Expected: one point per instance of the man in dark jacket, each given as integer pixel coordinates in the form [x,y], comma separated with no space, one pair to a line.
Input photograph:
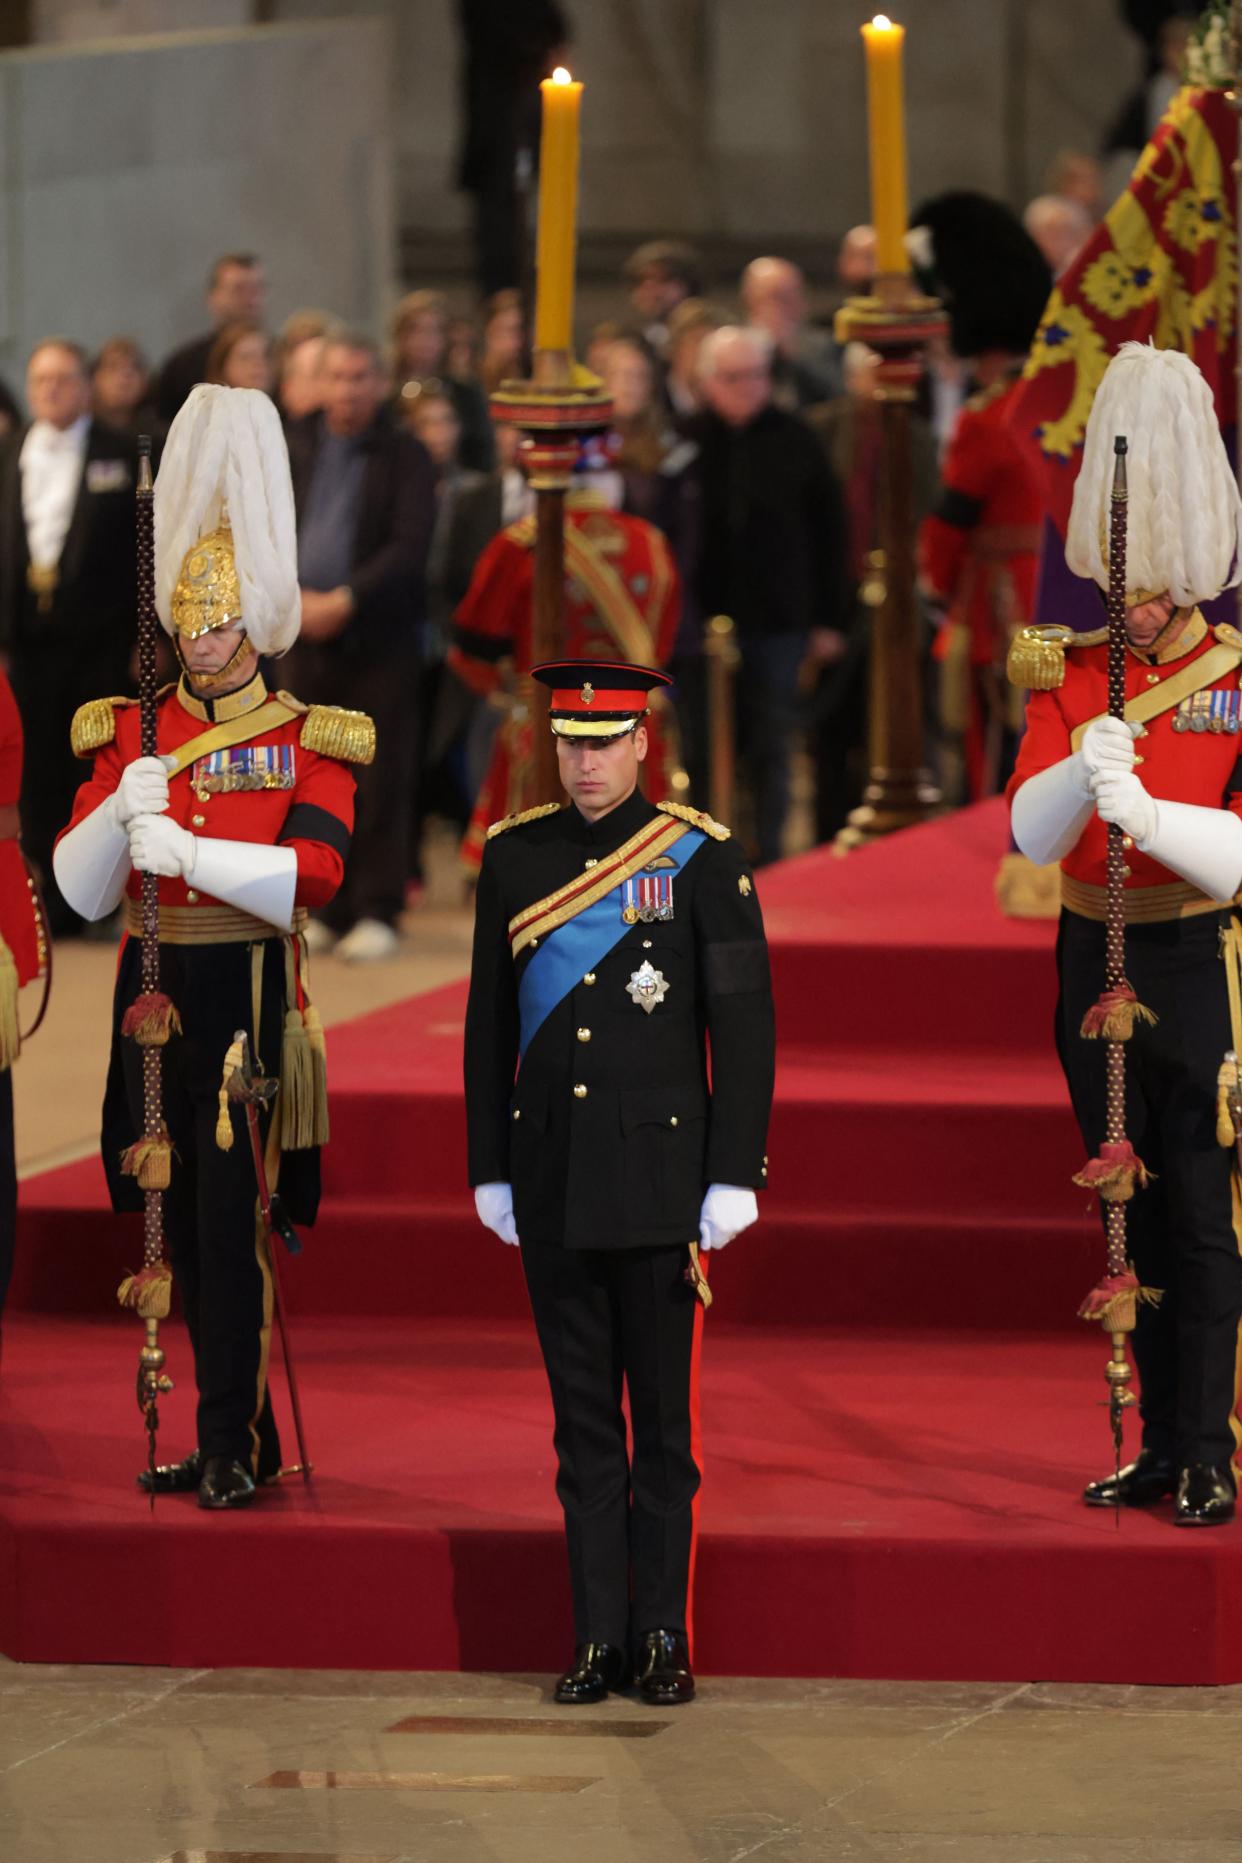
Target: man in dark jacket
[365,496]
[613,941]
[774,555]
[236,292]
[67,584]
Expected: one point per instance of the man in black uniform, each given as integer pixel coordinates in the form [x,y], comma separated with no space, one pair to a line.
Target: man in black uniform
[613,941]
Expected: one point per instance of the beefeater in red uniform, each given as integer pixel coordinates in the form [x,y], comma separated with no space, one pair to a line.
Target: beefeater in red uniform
[979,546]
[245,814]
[622,602]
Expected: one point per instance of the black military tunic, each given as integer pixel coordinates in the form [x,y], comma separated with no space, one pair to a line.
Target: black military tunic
[610,1133]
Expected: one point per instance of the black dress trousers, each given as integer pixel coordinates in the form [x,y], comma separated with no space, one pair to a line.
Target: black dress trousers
[607,1318]
[211,1222]
[1180,1230]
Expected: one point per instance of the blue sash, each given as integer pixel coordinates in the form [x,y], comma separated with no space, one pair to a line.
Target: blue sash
[566,954]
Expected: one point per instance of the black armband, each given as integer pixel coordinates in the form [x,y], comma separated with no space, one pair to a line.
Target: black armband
[958,509]
[306,822]
[736,968]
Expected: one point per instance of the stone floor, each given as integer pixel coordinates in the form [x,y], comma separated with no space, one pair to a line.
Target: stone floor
[168,1766]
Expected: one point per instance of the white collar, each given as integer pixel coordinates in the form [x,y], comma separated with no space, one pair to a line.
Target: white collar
[44,438]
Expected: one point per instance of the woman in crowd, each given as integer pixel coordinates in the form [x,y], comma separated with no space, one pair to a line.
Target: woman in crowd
[241,357]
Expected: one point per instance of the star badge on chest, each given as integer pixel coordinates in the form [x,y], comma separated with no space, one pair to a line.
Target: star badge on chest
[647,986]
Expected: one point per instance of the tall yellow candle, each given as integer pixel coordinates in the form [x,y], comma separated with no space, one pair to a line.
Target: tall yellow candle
[886,126]
[557,239]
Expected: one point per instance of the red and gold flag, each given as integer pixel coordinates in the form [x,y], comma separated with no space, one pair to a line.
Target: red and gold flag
[1161,267]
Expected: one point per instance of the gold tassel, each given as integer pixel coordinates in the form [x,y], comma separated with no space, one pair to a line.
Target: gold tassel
[319,1058]
[149,1292]
[10,1032]
[150,1161]
[1228,1081]
[224,1124]
[297,1085]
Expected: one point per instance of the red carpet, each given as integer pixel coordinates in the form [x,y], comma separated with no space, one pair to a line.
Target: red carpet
[892,1463]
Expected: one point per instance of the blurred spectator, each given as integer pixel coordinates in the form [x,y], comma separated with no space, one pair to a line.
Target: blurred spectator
[805,370]
[461,349]
[121,388]
[856,262]
[504,355]
[299,391]
[67,584]
[10,412]
[773,555]
[661,274]
[849,428]
[363,488]
[1076,177]
[419,339]
[692,320]
[509,45]
[1060,228]
[241,357]
[600,341]
[236,290]
[1134,123]
[298,328]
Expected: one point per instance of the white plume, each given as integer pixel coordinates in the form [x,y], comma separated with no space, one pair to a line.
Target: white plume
[226,448]
[1184,518]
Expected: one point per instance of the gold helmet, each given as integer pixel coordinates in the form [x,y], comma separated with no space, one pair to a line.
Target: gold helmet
[207,592]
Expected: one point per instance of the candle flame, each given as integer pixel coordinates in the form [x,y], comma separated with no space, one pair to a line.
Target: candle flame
[561,76]
[882,22]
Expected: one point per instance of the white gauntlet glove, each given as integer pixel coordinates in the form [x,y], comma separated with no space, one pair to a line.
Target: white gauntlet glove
[727,1210]
[142,790]
[1107,744]
[1121,798]
[158,845]
[1051,810]
[494,1203]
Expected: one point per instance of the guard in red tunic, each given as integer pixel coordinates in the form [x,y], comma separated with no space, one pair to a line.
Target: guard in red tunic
[979,546]
[622,602]
[23,956]
[1171,776]
[246,815]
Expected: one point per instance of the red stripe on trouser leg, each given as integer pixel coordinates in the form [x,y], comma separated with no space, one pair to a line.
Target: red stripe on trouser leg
[696,1450]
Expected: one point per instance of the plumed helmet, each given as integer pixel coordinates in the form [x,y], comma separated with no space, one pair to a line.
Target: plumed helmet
[975,255]
[225,533]
[1183,514]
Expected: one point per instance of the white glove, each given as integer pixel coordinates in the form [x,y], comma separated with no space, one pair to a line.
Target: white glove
[1107,744]
[494,1202]
[158,845]
[1203,845]
[142,790]
[1121,798]
[727,1210]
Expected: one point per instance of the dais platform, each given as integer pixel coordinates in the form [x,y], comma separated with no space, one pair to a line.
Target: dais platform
[899,1407]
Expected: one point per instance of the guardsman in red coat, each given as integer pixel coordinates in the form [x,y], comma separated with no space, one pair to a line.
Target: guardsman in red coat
[979,545]
[23,956]
[1171,776]
[246,815]
[622,602]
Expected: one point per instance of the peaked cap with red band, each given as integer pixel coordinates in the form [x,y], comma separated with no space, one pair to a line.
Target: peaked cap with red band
[597,698]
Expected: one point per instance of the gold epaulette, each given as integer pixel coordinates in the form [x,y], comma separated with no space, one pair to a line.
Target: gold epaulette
[1226,635]
[697,818]
[523,815]
[94,725]
[332,731]
[1037,655]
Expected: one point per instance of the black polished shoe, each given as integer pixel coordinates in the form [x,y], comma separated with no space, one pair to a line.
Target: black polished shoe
[664,1677]
[225,1483]
[599,1669]
[1147,1480]
[174,1477]
[1205,1496]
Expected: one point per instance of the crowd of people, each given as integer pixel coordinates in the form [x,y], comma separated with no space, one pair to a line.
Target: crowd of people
[743,432]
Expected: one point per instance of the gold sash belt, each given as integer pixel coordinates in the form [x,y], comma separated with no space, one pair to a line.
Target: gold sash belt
[1146,905]
[215,924]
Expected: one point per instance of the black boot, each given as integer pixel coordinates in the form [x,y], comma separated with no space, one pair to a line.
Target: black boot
[225,1483]
[1147,1480]
[1206,1496]
[174,1477]
[599,1669]
[664,1677]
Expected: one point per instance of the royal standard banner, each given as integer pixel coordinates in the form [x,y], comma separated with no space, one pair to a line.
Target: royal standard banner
[1161,268]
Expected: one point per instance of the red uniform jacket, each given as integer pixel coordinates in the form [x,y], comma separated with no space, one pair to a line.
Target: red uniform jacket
[309,805]
[1200,767]
[18,925]
[622,602]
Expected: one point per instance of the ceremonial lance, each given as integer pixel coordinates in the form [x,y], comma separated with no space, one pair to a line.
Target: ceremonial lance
[150,1020]
[1117,1172]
